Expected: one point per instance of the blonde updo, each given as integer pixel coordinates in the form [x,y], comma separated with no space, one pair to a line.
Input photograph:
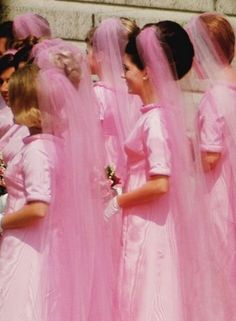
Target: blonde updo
[23,96]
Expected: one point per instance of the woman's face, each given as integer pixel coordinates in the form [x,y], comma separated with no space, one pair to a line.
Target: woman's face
[91,60]
[4,81]
[134,76]
[3,45]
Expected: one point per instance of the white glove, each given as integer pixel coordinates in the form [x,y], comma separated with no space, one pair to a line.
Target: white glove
[118,189]
[112,208]
[3,202]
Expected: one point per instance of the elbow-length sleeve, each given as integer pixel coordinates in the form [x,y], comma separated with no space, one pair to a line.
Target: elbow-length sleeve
[156,145]
[210,125]
[37,174]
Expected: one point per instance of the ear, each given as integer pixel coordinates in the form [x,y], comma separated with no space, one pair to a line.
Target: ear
[145,74]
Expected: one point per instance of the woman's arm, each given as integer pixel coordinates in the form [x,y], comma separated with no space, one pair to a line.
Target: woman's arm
[210,160]
[156,186]
[26,216]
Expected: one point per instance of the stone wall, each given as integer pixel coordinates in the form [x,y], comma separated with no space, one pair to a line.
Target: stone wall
[72,19]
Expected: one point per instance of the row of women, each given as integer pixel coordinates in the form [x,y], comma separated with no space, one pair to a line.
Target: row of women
[157,240]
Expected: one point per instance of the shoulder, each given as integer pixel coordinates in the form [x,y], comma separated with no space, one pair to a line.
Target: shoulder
[41,149]
[153,118]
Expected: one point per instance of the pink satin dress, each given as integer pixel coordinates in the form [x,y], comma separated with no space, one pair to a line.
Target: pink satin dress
[12,141]
[6,120]
[220,182]
[28,178]
[149,283]
[105,96]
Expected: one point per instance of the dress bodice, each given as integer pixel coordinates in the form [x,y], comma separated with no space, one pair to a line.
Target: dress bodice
[147,145]
[12,142]
[106,97]
[28,174]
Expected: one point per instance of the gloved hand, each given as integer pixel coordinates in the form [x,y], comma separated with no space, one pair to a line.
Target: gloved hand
[117,189]
[112,208]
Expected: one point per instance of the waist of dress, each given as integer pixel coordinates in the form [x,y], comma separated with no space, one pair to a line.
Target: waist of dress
[136,167]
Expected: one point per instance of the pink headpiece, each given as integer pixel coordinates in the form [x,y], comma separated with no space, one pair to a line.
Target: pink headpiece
[201,273]
[80,249]
[31,24]
[109,41]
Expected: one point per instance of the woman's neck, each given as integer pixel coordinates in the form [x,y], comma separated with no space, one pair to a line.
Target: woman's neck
[149,95]
[230,74]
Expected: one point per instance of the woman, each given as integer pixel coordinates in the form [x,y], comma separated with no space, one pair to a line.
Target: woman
[150,278]
[74,251]
[28,179]
[106,46]
[214,42]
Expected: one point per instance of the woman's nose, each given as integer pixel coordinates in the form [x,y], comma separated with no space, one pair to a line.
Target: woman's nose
[4,86]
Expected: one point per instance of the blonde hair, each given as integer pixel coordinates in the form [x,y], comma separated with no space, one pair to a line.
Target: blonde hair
[129,25]
[23,96]
[221,33]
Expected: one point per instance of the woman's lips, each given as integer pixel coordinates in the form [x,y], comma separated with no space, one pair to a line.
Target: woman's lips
[5,97]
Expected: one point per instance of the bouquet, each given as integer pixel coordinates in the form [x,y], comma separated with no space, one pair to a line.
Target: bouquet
[2,182]
[115,181]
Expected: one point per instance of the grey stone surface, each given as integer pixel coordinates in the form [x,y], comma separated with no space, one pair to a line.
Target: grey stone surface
[189,5]
[143,16]
[67,20]
[72,19]
[226,6]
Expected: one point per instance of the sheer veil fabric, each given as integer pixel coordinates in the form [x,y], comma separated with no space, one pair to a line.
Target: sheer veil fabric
[196,268]
[31,24]
[109,43]
[78,279]
[217,111]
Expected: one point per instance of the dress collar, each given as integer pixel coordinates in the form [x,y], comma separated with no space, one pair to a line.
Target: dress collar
[101,83]
[41,136]
[146,108]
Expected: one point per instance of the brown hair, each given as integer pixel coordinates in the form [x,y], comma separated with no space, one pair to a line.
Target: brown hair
[221,33]
[23,96]
[89,36]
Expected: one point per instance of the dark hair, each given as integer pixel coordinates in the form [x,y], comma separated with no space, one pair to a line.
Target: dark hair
[6,61]
[175,43]
[23,55]
[89,37]
[132,50]
[6,31]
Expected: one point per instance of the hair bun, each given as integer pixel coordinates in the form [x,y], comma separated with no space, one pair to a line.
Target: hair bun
[70,64]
